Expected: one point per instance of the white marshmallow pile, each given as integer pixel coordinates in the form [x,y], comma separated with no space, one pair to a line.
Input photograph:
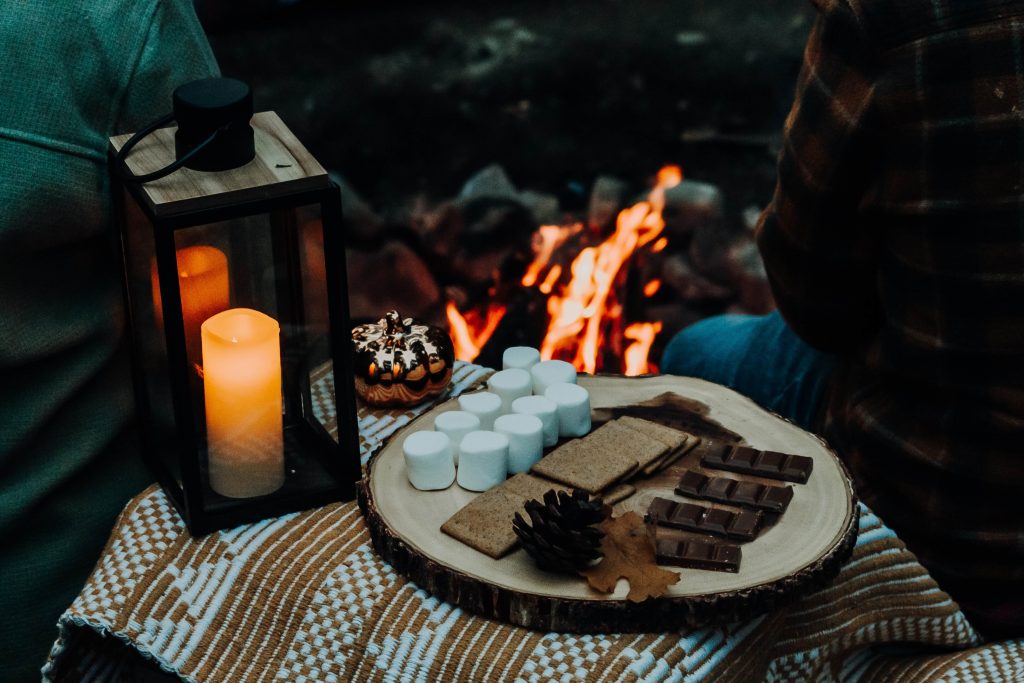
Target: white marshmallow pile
[529,404]
[522,357]
[543,408]
[429,463]
[509,385]
[456,424]
[485,405]
[548,372]
[525,440]
[484,460]
[573,405]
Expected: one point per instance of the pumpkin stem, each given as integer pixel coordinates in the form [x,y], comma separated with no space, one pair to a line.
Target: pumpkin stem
[393,323]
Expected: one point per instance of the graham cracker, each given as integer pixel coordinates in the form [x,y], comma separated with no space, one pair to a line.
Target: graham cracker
[673,438]
[672,456]
[592,463]
[639,445]
[618,494]
[530,487]
[485,524]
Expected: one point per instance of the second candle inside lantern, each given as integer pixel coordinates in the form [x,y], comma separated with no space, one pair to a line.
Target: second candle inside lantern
[242,384]
[205,291]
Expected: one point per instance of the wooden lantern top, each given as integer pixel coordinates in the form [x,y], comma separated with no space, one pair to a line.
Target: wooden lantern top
[282,166]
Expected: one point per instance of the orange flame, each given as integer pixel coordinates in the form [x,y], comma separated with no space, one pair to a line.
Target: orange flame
[551,279]
[669,176]
[636,354]
[545,241]
[586,312]
[589,296]
[469,333]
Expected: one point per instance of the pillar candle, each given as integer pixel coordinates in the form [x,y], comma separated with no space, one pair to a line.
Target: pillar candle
[241,355]
[205,291]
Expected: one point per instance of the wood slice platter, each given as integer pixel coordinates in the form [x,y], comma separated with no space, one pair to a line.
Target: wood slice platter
[802,551]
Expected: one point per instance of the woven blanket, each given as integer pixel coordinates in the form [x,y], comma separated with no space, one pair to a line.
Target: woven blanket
[305,598]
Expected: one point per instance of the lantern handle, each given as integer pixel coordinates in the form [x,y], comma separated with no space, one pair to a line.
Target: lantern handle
[122,168]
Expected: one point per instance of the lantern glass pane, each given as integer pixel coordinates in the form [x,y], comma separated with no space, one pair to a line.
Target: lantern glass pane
[257,337]
[162,441]
[321,411]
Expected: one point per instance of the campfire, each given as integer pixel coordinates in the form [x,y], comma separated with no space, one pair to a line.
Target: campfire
[603,284]
[586,315]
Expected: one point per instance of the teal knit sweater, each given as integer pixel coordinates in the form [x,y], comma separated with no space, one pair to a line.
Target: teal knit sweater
[73,73]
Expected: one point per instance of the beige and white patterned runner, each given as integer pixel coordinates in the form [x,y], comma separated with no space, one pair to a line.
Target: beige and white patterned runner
[305,598]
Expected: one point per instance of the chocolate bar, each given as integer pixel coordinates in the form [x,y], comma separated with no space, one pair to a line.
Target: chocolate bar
[742,525]
[697,554]
[746,460]
[748,494]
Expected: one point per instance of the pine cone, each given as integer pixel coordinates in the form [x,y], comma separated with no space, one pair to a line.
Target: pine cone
[563,537]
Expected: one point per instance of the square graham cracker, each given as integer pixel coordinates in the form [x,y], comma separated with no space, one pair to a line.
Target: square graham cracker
[640,445]
[608,455]
[529,487]
[485,523]
[673,455]
[673,438]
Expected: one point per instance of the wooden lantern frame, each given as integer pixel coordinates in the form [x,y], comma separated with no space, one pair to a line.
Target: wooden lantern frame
[247,192]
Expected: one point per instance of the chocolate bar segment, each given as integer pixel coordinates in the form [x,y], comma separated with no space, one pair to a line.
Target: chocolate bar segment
[748,494]
[698,554]
[770,464]
[742,525]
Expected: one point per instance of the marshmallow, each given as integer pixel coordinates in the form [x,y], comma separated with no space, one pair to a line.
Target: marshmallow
[510,385]
[573,404]
[550,372]
[523,357]
[543,408]
[428,460]
[484,460]
[485,405]
[456,424]
[525,440]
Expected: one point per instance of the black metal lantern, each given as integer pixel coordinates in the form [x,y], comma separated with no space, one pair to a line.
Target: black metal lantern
[237,304]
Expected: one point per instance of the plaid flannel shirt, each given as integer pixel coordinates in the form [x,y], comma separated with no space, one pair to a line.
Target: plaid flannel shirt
[896,238]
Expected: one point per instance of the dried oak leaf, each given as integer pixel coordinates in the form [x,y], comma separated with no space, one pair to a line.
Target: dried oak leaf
[629,554]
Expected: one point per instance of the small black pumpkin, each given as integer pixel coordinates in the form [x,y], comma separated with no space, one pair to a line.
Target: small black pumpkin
[401,362]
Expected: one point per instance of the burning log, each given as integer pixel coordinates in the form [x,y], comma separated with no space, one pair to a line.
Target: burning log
[585,312]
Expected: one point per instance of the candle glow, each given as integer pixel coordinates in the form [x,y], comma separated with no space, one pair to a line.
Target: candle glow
[242,385]
[205,291]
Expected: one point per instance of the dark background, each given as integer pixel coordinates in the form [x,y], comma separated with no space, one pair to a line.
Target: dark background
[403,98]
